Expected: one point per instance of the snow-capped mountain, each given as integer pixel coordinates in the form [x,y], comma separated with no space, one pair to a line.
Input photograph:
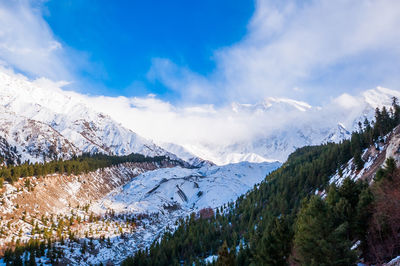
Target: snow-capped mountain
[292,124]
[45,122]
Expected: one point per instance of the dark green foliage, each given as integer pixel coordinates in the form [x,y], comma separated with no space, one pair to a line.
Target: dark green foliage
[386,172]
[225,257]
[396,111]
[358,160]
[276,243]
[325,229]
[77,165]
[386,120]
[317,241]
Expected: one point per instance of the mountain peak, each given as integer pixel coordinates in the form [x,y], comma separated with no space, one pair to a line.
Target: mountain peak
[270,102]
[380,96]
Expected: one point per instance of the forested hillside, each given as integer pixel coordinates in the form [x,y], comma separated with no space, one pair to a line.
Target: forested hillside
[77,165]
[286,219]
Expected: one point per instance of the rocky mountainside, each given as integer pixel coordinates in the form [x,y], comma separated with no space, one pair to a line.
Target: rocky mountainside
[374,158]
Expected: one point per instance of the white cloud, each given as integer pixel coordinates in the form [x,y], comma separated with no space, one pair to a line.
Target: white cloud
[208,131]
[347,101]
[180,79]
[196,125]
[28,44]
[162,121]
[313,45]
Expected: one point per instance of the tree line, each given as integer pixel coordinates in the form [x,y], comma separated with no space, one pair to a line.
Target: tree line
[77,165]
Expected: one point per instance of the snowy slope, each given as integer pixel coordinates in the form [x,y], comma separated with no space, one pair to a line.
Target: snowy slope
[45,122]
[374,158]
[186,189]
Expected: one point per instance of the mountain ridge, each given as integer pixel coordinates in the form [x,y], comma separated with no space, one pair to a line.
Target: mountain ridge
[82,128]
[44,122]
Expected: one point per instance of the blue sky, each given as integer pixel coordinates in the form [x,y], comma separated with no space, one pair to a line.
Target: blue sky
[122,37]
[206,52]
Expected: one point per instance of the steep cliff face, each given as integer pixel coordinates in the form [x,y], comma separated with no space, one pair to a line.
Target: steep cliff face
[393,147]
[8,153]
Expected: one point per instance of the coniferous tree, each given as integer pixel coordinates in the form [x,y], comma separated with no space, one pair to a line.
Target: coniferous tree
[396,111]
[318,240]
[275,246]
[225,257]
[358,160]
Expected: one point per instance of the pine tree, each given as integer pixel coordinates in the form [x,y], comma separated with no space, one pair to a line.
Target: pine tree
[275,246]
[378,127]
[225,258]
[358,161]
[318,241]
[386,121]
[396,111]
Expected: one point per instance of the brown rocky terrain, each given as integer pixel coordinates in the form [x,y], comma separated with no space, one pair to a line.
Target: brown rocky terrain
[31,199]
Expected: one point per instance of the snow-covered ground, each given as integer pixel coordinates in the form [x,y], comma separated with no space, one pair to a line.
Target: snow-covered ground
[349,171]
[374,158]
[394,262]
[187,189]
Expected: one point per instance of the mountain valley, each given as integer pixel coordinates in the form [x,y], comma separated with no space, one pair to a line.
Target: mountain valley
[108,214]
